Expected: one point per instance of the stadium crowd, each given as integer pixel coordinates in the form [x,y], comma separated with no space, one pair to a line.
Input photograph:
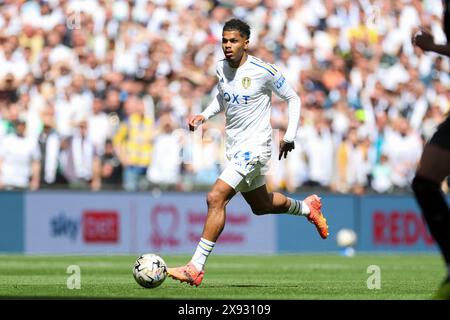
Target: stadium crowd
[96,94]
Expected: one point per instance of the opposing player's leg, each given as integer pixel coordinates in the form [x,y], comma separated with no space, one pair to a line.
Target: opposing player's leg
[433,168]
[263,202]
[217,199]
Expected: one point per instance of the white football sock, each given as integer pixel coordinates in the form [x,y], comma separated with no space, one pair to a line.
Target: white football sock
[202,252]
[298,208]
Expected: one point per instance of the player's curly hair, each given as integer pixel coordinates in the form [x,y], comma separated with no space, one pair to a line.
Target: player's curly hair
[239,25]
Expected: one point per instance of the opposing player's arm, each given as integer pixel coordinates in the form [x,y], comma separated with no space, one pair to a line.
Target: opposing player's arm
[282,89]
[425,41]
[443,49]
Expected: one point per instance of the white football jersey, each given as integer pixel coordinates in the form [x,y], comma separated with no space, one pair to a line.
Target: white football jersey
[245,94]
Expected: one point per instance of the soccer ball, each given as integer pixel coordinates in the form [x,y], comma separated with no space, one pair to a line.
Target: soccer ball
[346,238]
[150,270]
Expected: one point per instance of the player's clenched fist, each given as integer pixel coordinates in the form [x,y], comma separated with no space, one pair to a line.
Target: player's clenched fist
[285,147]
[423,39]
[195,121]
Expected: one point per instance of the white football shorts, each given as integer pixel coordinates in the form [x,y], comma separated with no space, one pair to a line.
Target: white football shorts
[245,172]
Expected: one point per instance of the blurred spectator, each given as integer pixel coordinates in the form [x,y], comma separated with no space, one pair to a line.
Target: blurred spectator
[381,176]
[340,118]
[403,150]
[297,166]
[19,160]
[133,144]
[79,160]
[49,145]
[334,76]
[8,89]
[319,151]
[111,169]
[379,136]
[432,119]
[113,104]
[99,126]
[164,170]
[351,172]
[207,158]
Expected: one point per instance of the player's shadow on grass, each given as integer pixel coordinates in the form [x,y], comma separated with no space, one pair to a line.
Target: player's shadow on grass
[255,286]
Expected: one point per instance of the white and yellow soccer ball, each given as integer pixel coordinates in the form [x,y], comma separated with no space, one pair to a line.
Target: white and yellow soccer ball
[150,270]
[346,238]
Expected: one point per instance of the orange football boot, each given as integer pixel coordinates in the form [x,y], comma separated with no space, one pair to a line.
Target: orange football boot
[315,216]
[187,273]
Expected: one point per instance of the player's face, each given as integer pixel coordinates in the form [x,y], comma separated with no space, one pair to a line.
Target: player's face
[234,46]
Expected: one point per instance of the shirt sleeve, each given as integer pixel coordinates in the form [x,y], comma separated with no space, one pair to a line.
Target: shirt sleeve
[282,89]
[216,105]
[213,108]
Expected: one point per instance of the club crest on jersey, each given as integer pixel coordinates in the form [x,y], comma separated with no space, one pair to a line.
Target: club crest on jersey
[246,82]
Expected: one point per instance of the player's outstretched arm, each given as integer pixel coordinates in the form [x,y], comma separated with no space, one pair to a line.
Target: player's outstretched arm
[285,147]
[214,108]
[195,121]
[287,93]
[425,41]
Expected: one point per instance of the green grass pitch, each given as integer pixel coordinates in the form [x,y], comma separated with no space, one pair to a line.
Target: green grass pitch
[286,277]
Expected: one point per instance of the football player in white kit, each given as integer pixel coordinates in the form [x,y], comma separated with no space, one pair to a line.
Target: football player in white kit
[245,86]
